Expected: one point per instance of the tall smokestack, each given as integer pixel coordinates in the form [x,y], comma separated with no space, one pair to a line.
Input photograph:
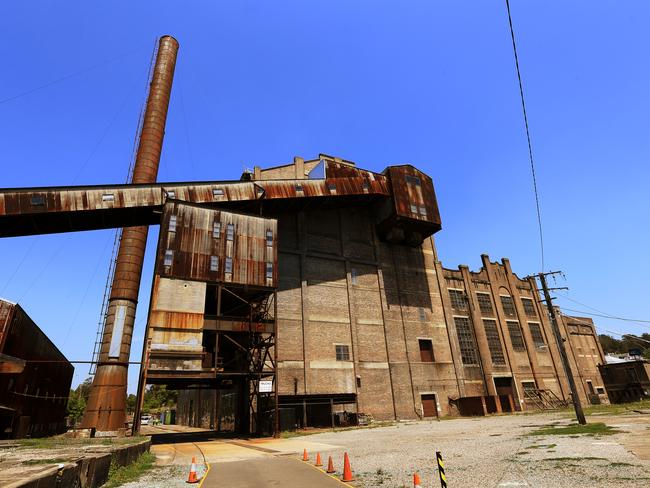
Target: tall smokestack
[106,409]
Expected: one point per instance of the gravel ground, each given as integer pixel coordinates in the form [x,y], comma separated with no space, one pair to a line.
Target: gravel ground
[171,476]
[489,452]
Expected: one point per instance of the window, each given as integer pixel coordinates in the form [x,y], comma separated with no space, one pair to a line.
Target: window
[269,271]
[228,265]
[458,300]
[269,238]
[468,351]
[591,387]
[172,223]
[353,275]
[508,306]
[536,332]
[414,209]
[214,263]
[108,197]
[600,390]
[230,232]
[331,187]
[37,201]
[485,303]
[358,381]
[216,230]
[529,307]
[413,180]
[423,212]
[528,386]
[426,350]
[298,187]
[515,336]
[422,314]
[365,185]
[494,342]
[171,194]
[169,257]
[217,192]
[342,352]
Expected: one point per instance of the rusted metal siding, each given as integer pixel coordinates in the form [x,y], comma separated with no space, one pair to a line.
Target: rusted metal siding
[40,392]
[411,187]
[193,246]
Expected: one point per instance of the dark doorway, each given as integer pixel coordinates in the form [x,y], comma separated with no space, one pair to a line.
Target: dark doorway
[429,405]
[506,393]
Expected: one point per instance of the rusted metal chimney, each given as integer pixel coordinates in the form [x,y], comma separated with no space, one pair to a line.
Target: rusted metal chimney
[106,409]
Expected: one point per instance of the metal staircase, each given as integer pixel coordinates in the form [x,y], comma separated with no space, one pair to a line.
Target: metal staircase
[544,399]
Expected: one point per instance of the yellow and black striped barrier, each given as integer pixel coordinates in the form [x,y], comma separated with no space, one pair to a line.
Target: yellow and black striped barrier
[441,470]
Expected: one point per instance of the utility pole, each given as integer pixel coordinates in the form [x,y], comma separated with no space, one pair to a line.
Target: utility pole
[560,344]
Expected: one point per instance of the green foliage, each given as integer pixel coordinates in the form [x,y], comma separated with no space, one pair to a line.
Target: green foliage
[119,475]
[78,399]
[623,345]
[131,400]
[596,428]
[158,397]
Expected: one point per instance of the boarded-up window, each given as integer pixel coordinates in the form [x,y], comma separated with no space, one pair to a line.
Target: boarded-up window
[515,336]
[485,303]
[466,341]
[458,300]
[529,307]
[536,333]
[342,352]
[426,350]
[508,306]
[494,341]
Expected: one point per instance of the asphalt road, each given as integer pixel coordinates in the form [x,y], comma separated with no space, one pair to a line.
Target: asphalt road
[269,472]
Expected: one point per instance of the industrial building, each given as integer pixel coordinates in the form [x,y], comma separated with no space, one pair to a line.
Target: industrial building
[34,378]
[627,380]
[302,294]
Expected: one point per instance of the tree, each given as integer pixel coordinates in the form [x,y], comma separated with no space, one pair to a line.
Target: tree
[158,397]
[130,403]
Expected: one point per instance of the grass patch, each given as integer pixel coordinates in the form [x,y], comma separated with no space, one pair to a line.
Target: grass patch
[118,475]
[585,458]
[542,446]
[31,462]
[521,453]
[597,428]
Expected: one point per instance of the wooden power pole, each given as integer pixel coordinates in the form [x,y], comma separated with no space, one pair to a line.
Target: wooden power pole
[560,344]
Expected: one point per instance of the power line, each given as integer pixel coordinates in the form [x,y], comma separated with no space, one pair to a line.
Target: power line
[530,146]
[591,314]
[63,78]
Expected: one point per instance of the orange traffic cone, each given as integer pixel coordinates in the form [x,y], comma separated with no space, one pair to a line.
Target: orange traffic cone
[347,471]
[319,463]
[305,457]
[330,466]
[416,481]
[193,478]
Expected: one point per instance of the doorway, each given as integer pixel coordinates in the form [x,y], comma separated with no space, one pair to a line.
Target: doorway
[429,405]
[506,393]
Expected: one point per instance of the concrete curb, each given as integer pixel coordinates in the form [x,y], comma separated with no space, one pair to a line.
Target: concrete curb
[89,471]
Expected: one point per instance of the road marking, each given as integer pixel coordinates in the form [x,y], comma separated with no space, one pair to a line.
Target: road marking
[323,472]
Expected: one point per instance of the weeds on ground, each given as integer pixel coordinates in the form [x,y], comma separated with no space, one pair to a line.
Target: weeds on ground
[31,462]
[62,442]
[583,458]
[597,428]
[118,475]
[542,446]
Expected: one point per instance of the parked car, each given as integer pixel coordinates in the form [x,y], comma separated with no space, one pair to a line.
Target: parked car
[145,420]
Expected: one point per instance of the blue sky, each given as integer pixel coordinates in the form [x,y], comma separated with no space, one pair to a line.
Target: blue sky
[429,82]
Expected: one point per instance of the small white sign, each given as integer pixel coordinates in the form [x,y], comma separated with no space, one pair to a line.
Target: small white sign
[266,386]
